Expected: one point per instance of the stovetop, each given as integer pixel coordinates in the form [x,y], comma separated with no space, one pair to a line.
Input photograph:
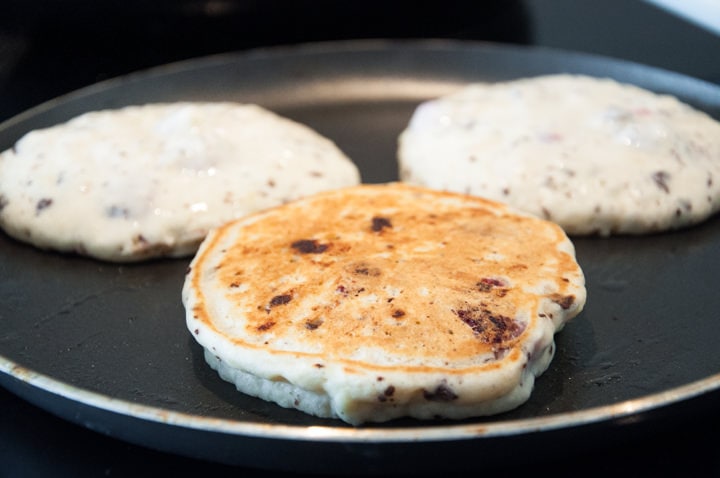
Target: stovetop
[42,56]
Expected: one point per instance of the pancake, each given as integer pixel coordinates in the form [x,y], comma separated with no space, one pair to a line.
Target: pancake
[596,156]
[375,302]
[150,180]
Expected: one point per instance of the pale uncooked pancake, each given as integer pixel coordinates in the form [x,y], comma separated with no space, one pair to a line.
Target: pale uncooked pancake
[151,180]
[381,301]
[593,155]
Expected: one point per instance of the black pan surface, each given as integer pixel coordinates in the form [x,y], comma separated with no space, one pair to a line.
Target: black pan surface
[105,345]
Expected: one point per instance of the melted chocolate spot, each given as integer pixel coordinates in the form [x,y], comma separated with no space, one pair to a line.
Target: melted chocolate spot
[313,324]
[309,246]
[486,284]
[280,300]
[441,394]
[489,327]
[380,223]
[564,301]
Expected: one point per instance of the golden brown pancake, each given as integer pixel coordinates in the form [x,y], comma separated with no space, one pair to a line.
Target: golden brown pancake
[380,301]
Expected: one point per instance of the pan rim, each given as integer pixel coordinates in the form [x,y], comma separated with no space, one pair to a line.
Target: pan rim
[480,430]
[425,432]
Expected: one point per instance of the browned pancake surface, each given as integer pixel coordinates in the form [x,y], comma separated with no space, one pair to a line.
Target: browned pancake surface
[386,276]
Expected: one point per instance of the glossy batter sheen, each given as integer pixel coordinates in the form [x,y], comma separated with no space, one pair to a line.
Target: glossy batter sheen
[375,302]
[593,155]
[151,180]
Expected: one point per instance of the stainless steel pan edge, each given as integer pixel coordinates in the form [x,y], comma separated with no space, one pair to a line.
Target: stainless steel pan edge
[624,412]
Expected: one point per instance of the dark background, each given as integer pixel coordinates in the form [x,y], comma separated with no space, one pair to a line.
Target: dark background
[50,47]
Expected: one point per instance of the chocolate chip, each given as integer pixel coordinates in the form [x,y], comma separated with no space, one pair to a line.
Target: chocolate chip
[441,394]
[564,301]
[314,324]
[489,327]
[266,326]
[380,223]
[42,205]
[280,300]
[661,180]
[309,246]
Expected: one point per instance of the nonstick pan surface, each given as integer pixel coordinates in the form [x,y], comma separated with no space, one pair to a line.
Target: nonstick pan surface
[105,345]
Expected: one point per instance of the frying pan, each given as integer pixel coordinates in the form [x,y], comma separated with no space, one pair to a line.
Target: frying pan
[105,345]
